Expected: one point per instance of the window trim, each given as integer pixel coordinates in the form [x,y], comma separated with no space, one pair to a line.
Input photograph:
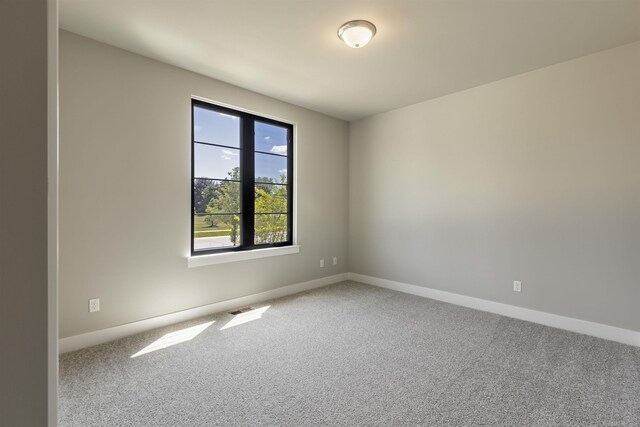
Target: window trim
[225,257]
[247,191]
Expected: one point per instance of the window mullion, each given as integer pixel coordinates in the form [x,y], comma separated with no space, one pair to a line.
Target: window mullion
[248,182]
[290,185]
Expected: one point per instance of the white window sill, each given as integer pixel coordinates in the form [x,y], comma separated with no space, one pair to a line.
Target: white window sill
[211,259]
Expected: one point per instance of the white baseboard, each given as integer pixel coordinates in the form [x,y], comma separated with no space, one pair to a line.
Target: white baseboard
[612,333]
[89,339]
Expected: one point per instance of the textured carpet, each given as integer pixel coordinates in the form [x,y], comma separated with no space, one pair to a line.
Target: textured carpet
[352,354]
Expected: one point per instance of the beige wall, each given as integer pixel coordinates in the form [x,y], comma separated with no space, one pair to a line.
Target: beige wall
[125,190]
[533,178]
[23,213]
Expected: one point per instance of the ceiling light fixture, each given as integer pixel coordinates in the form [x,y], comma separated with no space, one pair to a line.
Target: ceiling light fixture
[357,33]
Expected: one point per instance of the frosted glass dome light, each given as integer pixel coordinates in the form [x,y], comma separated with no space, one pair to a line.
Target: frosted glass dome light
[357,33]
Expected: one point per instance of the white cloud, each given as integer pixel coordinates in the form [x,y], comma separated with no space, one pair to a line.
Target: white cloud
[279,149]
[225,157]
[283,171]
[267,138]
[230,152]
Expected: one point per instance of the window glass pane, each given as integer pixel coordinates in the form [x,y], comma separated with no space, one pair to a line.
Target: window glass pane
[203,190]
[215,231]
[216,197]
[270,228]
[270,138]
[216,162]
[270,168]
[271,198]
[216,128]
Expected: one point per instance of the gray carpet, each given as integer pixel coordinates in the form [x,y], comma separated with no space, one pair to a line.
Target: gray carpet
[352,354]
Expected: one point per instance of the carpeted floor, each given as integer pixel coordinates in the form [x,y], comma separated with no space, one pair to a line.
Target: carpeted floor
[351,354]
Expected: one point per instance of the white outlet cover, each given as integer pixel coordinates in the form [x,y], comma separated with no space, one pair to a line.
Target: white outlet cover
[517,286]
[335,260]
[94,305]
[321,263]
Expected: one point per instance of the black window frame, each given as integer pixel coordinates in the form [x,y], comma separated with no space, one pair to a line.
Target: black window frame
[247,178]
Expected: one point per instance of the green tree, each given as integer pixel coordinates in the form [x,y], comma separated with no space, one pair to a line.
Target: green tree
[209,193]
[271,201]
[199,200]
[226,201]
[204,191]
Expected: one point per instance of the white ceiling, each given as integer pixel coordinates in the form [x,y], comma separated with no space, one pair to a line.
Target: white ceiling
[288,49]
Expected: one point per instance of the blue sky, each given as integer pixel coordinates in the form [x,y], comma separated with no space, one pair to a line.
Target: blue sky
[223,129]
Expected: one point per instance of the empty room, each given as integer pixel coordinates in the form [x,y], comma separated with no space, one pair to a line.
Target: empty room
[306,212]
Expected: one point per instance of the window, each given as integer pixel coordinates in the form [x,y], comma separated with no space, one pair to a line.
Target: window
[241,170]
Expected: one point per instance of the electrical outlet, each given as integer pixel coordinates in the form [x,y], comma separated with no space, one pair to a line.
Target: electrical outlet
[335,260]
[94,305]
[322,263]
[517,286]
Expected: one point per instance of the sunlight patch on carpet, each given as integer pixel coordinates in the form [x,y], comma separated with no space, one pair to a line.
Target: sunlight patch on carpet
[174,338]
[245,317]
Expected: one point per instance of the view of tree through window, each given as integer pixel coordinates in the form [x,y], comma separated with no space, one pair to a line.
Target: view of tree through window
[241,180]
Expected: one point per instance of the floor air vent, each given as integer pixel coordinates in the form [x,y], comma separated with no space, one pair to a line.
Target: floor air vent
[241,310]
